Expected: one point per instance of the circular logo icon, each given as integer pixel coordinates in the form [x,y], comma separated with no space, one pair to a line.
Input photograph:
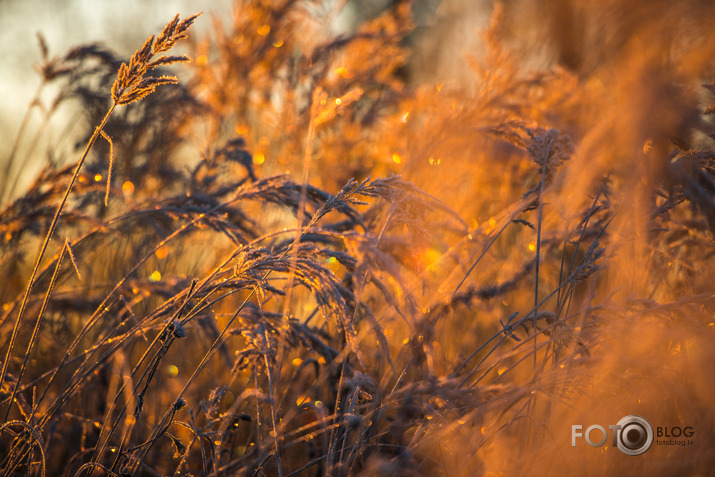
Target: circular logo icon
[634,436]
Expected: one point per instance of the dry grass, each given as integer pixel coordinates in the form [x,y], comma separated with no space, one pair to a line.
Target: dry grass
[208,291]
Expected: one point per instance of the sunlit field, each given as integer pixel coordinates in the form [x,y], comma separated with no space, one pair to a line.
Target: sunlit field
[454,242]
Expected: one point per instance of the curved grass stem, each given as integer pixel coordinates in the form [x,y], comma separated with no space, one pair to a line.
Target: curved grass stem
[43,249]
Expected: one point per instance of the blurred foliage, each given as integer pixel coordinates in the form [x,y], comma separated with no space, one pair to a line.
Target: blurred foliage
[251,302]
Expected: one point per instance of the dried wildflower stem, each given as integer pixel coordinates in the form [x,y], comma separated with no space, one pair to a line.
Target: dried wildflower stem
[130,86]
[93,319]
[504,337]
[197,308]
[486,249]
[93,466]
[560,300]
[307,160]
[350,409]
[334,431]
[99,312]
[148,444]
[36,329]
[109,169]
[539,221]
[271,378]
[168,415]
[563,298]
[258,410]
[167,336]
[591,256]
[36,442]
[45,244]
[204,359]
[349,190]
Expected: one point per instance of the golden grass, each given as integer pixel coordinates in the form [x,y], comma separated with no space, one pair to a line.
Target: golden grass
[215,293]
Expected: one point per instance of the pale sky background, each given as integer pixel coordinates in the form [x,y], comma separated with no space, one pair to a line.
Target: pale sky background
[120,25]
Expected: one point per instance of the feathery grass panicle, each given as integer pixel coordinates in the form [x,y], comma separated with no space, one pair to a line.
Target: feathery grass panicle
[131,84]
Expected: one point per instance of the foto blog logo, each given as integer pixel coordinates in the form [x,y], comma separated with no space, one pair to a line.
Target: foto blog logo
[632,435]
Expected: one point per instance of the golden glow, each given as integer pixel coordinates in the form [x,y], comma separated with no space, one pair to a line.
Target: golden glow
[422,258]
[333,264]
[492,226]
[430,257]
[127,188]
[647,146]
[162,252]
[342,72]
